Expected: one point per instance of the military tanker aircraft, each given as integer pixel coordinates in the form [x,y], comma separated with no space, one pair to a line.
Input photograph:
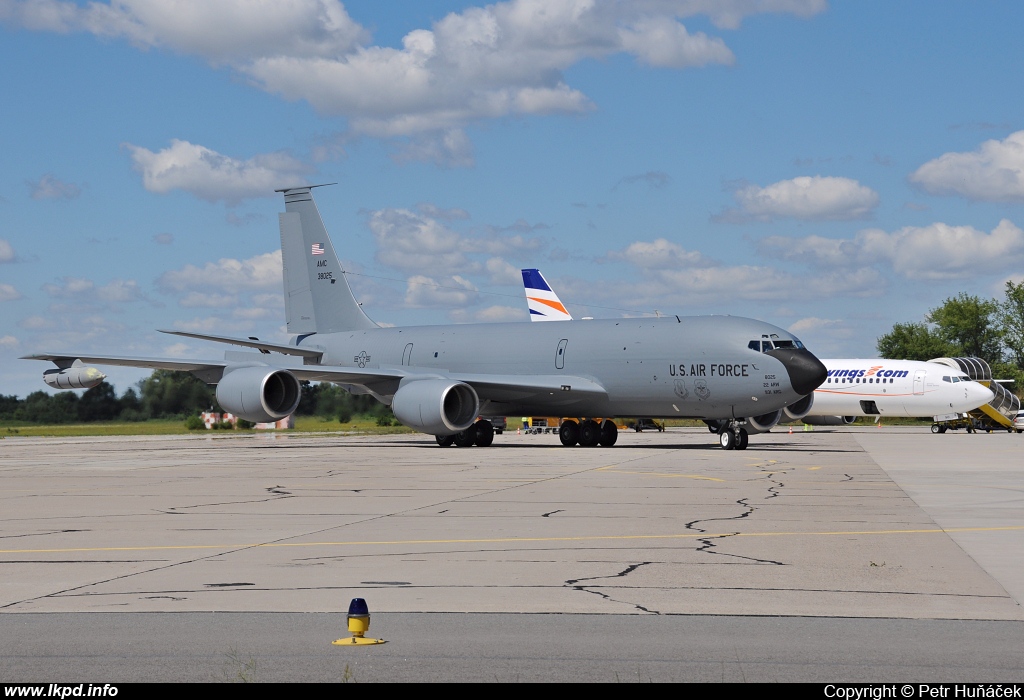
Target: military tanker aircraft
[440,379]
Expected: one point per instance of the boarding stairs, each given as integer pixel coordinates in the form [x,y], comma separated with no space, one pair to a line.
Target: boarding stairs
[997,414]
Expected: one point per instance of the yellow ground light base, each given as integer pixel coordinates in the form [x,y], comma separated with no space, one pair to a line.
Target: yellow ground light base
[349,641]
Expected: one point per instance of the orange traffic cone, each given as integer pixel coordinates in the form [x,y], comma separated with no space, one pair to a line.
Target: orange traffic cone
[791,430]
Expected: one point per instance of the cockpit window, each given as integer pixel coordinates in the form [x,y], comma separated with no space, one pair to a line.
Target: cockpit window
[764,345]
[946,379]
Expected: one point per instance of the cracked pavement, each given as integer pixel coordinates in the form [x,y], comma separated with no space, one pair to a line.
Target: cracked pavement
[806,524]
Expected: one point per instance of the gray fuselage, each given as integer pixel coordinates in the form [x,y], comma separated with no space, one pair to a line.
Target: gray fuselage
[697,367]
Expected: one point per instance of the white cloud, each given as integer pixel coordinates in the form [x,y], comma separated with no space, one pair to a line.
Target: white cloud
[454,291]
[178,350]
[502,273]
[487,62]
[664,42]
[658,254]
[6,251]
[436,212]
[208,300]
[8,341]
[49,187]
[490,314]
[8,292]
[675,276]
[226,30]
[450,148]
[417,242]
[82,289]
[212,324]
[164,238]
[212,176]
[993,173]
[813,323]
[937,251]
[411,242]
[36,323]
[255,313]
[227,275]
[815,198]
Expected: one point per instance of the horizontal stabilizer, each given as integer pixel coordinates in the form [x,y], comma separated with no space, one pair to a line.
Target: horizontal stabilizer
[256,344]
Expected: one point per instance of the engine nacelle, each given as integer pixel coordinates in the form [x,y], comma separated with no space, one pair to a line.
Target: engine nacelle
[436,406]
[830,420]
[259,394]
[763,423]
[77,376]
[798,410]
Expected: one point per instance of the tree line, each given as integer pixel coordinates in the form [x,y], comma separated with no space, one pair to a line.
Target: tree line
[166,394]
[967,326]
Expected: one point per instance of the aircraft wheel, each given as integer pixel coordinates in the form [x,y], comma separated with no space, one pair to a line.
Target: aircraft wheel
[484,433]
[936,428]
[609,434]
[727,438]
[569,433]
[466,438]
[742,439]
[590,434]
[445,440]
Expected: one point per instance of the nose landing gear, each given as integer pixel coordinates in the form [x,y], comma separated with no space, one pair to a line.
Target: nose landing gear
[733,437]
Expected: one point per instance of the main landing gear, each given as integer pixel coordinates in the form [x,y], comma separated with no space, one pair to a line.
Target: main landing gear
[588,433]
[480,434]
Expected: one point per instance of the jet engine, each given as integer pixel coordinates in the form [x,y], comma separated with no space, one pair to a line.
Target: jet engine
[77,376]
[259,394]
[798,410]
[436,406]
[830,420]
[763,423]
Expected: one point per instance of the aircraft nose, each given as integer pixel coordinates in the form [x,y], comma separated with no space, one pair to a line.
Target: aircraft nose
[979,394]
[806,373]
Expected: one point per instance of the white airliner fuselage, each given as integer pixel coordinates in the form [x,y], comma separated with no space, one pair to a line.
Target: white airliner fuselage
[905,388]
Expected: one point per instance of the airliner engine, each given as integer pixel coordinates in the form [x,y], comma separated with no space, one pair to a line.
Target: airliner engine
[830,420]
[77,376]
[436,406]
[259,394]
[763,423]
[798,410]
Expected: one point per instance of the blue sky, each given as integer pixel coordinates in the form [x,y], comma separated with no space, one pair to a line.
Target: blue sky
[832,168]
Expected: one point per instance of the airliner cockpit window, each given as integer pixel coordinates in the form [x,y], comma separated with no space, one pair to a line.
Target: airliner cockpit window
[754,345]
[785,344]
[946,379]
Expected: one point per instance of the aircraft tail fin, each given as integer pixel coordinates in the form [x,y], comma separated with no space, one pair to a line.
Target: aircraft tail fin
[317,296]
[543,302]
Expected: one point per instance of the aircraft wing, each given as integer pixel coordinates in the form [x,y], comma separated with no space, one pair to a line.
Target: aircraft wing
[126,361]
[493,387]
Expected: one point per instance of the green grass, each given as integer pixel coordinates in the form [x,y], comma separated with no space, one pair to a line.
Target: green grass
[303,424]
